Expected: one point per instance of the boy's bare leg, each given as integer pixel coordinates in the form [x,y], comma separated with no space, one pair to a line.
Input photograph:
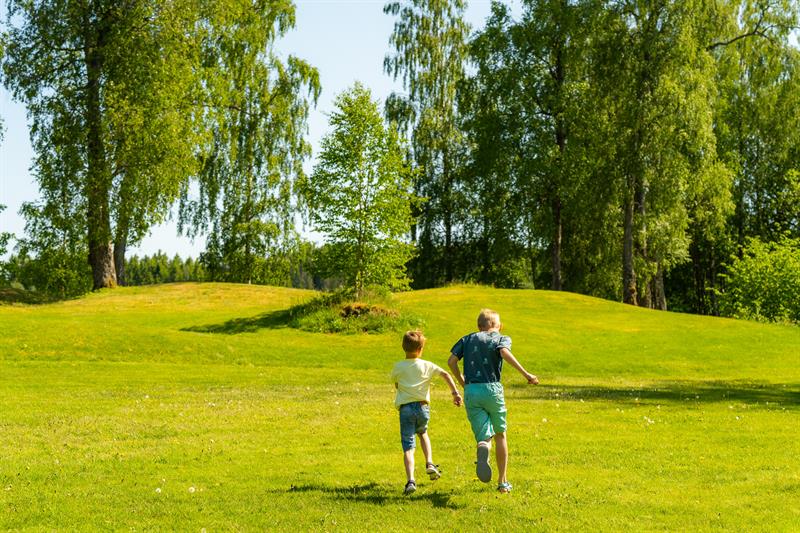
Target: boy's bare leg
[425,444]
[501,452]
[408,460]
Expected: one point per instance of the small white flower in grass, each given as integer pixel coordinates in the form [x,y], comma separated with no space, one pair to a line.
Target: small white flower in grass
[730,407]
[737,418]
[544,420]
[158,490]
[191,490]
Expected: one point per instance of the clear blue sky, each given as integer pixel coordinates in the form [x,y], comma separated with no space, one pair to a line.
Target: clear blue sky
[345,40]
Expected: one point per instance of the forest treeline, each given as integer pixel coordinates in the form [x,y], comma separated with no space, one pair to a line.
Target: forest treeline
[643,151]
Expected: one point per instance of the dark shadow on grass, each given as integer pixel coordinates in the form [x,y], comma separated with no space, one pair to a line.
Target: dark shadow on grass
[274,319]
[375,494]
[780,394]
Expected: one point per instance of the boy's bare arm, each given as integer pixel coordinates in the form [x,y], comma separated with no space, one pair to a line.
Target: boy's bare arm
[509,358]
[453,390]
[452,362]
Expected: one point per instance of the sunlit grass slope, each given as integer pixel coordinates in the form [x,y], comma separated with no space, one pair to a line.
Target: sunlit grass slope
[194,406]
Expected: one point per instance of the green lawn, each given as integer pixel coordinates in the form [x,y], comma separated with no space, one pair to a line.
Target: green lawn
[190,406]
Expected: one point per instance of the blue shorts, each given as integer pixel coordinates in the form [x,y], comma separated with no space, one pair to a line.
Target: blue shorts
[486,409]
[414,419]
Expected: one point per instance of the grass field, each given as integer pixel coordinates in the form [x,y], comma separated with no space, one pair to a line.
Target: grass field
[190,407]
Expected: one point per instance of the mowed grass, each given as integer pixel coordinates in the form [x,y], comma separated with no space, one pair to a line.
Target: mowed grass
[193,406]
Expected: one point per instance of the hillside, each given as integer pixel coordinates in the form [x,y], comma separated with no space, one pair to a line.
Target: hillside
[193,405]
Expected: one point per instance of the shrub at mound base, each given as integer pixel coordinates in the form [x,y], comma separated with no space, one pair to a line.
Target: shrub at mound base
[342,312]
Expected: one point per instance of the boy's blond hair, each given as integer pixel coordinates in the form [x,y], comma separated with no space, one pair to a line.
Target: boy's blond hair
[488,319]
[413,341]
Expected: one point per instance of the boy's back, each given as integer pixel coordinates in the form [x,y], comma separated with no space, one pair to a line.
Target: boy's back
[413,378]
[481,354]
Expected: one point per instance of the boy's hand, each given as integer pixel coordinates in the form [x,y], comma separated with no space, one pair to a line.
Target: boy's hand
[457,399]
[532,380]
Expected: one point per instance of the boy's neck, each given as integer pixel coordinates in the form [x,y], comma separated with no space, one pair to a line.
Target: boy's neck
[413,355]
[490,330]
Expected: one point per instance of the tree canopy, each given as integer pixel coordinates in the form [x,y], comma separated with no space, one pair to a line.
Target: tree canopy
[359,195]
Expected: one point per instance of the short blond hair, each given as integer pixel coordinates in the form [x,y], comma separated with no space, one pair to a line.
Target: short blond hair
[413,341]
[488,319]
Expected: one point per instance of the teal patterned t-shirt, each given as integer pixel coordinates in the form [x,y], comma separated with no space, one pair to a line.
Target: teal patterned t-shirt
[481,355]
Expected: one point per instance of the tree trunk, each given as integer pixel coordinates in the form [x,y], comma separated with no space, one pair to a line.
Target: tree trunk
[98,178]
[559,79]
[699,278]
[485,258]
[628,272]
[714,307]
[659,295]
[645,295]
[556,283]
[448,219]
[120,245]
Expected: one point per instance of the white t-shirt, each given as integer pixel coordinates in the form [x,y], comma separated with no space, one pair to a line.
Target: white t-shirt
[413,378]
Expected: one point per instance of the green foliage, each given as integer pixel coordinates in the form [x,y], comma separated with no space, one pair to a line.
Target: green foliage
[757,124]
[50,274]
[159,268]
[531,115]
[5,237]
[764,283]
[430,54]
[51,259]
[112,111]
[343,311]
[359,196]
[257,108]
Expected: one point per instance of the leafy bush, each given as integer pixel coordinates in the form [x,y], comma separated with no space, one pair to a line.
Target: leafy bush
[764,284]
[341,312]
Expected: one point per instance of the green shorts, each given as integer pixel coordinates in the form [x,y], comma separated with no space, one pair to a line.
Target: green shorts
[486,409]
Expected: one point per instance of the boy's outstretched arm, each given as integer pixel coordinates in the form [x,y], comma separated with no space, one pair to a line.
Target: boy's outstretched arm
[452,362]
[509,358]
[453,390]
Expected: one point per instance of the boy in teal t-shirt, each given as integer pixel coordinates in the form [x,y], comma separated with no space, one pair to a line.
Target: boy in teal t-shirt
[483,354]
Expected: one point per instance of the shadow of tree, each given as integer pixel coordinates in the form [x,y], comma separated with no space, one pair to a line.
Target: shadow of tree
[784,394]
[375,494]
[274,320]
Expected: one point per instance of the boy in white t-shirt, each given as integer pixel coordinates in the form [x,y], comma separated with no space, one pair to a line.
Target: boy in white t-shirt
[412,379]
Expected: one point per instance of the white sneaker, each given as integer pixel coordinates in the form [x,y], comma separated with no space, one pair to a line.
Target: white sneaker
[433,471]
[482,467]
